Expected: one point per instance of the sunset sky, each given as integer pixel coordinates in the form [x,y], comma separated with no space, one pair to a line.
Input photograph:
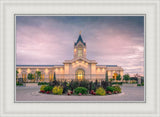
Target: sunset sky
[110,40]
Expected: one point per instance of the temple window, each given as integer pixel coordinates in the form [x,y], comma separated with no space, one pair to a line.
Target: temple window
[80,52]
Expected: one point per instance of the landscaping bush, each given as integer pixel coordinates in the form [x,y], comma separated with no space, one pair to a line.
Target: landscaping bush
[74,84]
[81,90]
[65,87]
[100,91]
[30,76]
[119,83]
[48,88]
[138,84]
[19,84]
[111,89]
[57,90]
[142,84]
[84,83]
[91,86]
[42,87]
[105,84]
[117,88]
[54,83]
[133,81]
[43,83]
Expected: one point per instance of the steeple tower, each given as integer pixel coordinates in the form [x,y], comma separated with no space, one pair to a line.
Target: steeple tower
[80,47]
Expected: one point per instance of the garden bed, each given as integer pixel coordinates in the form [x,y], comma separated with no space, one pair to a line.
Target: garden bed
[78,95]
[80,88]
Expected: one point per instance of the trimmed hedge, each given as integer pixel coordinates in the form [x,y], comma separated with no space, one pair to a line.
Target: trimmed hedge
[81,90]
[48,88]
[114,88]
[111,89]
[120,83]
[43,83]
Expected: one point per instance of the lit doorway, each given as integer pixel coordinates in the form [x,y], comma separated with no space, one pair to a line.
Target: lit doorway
[80,74]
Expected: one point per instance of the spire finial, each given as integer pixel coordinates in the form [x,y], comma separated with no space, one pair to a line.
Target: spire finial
[80,32]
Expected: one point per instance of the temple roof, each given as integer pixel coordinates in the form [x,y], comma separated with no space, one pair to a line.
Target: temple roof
[80,39]
[108,65]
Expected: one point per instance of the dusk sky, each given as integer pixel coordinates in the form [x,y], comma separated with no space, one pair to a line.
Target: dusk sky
[110,40]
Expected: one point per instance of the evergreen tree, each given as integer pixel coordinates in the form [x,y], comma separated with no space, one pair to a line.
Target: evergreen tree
[38,74]
[106,79]
[118,77]
[54,76]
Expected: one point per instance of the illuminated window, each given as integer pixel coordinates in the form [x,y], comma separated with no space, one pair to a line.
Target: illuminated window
[51,77]
[80,74]
[80,51]
[24,76]
[42,77]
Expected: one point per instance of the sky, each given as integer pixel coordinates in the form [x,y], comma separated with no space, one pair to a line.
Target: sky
[110,40]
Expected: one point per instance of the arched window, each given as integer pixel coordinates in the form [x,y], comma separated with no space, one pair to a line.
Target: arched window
[80,51]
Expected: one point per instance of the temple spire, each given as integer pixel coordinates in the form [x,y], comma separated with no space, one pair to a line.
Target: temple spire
[79,39]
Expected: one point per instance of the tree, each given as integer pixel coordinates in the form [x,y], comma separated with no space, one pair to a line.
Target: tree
[17,76]
[17,73]
[38,75]
[106,79]
[118,77]
[30,76]
[54,76]
[126,77]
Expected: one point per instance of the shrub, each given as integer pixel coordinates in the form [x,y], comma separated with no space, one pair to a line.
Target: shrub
[81,90]
[74,84]
[126,77]
[57,90]
[42,87]
[65,87]
[54,83]
[133,82]
[120,83]
[117,88]
[138,84]
[84,83]
[111,89]
[118,77]
[48,88]
[91,86]
[142,84]
[19,84]
[104,84]
[30,76]
[100,91]
[43,83]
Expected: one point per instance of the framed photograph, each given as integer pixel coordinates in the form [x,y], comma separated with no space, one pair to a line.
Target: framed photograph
[80,58]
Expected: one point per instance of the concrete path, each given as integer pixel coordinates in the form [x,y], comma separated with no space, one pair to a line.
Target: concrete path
[30,94]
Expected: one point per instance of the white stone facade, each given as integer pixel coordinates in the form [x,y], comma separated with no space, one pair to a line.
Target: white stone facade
[77,68]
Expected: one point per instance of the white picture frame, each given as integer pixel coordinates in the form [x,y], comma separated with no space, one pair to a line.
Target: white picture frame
[147,7]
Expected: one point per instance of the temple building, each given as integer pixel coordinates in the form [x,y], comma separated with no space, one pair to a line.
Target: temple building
[78,68]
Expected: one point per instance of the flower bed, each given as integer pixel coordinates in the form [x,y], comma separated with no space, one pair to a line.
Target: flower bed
[79,88]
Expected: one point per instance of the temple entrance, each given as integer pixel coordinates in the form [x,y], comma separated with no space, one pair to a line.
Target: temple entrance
[80,74]
[115,76]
